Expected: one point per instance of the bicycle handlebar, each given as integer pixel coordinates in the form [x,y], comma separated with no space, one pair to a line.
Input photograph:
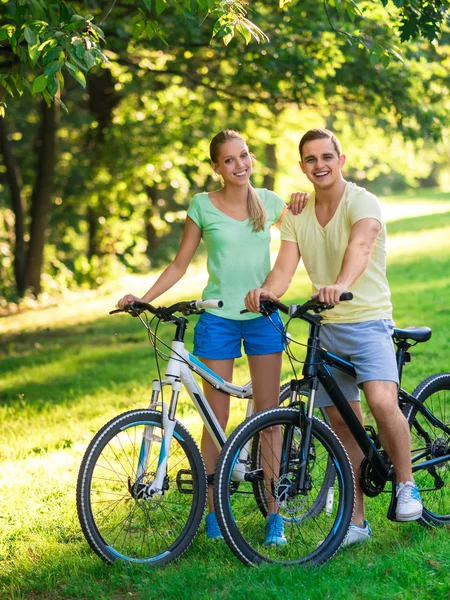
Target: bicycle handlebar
[190,307]
[297,310]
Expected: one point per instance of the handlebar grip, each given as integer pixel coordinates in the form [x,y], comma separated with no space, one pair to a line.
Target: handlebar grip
[208,303]
[346,296]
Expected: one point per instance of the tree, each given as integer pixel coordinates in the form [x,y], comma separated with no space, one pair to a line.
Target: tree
[46,36]
[134,144]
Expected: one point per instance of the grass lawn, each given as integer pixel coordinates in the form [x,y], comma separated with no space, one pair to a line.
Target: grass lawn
[66,370]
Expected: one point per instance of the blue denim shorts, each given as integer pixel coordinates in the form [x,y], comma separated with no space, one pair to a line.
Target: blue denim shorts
[369,346]
[217,338]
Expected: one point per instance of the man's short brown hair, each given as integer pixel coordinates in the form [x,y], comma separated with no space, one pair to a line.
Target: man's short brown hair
[320,134]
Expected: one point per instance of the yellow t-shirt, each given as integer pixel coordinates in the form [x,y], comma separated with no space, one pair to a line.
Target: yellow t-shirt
[323,248]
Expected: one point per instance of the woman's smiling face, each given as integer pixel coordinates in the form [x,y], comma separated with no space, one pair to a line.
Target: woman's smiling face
[235,162]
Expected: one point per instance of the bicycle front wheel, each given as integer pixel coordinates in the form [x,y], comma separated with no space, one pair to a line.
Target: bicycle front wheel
[312,536]
[117,514]
[431,441]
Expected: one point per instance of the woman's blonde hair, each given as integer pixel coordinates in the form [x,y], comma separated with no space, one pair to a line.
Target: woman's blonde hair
[256,212]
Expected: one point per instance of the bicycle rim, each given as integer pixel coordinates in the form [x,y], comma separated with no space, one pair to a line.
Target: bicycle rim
[312,535]
[431,441]
[119,520]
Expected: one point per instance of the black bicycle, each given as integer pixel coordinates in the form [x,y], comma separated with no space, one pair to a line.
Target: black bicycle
[312,482]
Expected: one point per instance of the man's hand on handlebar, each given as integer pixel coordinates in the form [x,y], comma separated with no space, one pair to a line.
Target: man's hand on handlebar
[330,294]
[253,298]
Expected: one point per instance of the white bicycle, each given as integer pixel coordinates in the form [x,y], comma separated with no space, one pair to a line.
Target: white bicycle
[142,484]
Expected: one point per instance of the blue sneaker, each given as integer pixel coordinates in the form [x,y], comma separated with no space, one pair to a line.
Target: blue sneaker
[274,531]
[212,527]
[409,503]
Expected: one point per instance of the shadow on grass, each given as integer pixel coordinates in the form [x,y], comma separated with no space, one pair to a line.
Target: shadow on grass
[77,361]
[62,366]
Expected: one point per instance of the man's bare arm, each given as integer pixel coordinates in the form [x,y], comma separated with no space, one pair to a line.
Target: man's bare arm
[362,239]
[279,279]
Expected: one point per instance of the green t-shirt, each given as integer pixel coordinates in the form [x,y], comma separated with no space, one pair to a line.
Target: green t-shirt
[238,257]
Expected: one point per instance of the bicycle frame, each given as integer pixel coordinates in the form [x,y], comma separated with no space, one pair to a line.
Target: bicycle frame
[179,373]
[316,369]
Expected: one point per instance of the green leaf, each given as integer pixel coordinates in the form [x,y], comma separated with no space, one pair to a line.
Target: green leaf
[44,45]
[18,83]
[227,38]
[31,37]
[47,98]
[53,67]
[89,60]
[138,28]
[245,33]
[97,30]
[61,103]
[376,54]
[60,78]
[385,60]
[161,6]
[51,55]
[7,87]
[76,73]
[34,54]
[148,4]
[52,85]
[39,84]
[74,58]
[149,31]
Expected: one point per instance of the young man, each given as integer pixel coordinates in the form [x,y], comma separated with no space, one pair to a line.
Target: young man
[341,237]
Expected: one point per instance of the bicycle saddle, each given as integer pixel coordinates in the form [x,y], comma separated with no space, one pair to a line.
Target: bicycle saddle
[418,334]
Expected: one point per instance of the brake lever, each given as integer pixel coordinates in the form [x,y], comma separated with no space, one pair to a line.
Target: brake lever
[320,309]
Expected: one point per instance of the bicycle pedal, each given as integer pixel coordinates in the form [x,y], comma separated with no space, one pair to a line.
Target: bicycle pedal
[185,483]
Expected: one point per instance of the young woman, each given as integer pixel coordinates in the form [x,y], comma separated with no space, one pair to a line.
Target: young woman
[234,223]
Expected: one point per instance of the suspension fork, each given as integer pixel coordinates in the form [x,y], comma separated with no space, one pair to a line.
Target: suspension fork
[305,424]
[169,422]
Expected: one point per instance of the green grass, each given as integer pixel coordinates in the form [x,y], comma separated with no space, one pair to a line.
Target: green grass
[65,371]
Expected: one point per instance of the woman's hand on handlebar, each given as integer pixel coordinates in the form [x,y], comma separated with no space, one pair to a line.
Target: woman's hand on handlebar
[330,294]
[128,299]
[253,298]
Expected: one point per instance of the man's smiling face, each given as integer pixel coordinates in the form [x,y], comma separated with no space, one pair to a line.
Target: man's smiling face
[321,163]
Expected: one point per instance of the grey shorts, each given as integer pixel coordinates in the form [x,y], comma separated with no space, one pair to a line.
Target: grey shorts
[368,346]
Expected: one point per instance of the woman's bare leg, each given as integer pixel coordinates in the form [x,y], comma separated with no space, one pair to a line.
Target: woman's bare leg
[265,372]
[220,404]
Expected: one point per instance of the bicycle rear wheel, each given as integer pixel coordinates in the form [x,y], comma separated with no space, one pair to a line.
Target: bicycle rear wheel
[312,536]
[431,441]
[116,515]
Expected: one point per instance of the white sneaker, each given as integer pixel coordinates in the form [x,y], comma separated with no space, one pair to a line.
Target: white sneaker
[357,535]
[409,503]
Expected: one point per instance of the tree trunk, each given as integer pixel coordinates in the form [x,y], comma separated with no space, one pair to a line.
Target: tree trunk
[150,231]
[41,198]
[92,219]
[103,98]
[14,178]
[271,165]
